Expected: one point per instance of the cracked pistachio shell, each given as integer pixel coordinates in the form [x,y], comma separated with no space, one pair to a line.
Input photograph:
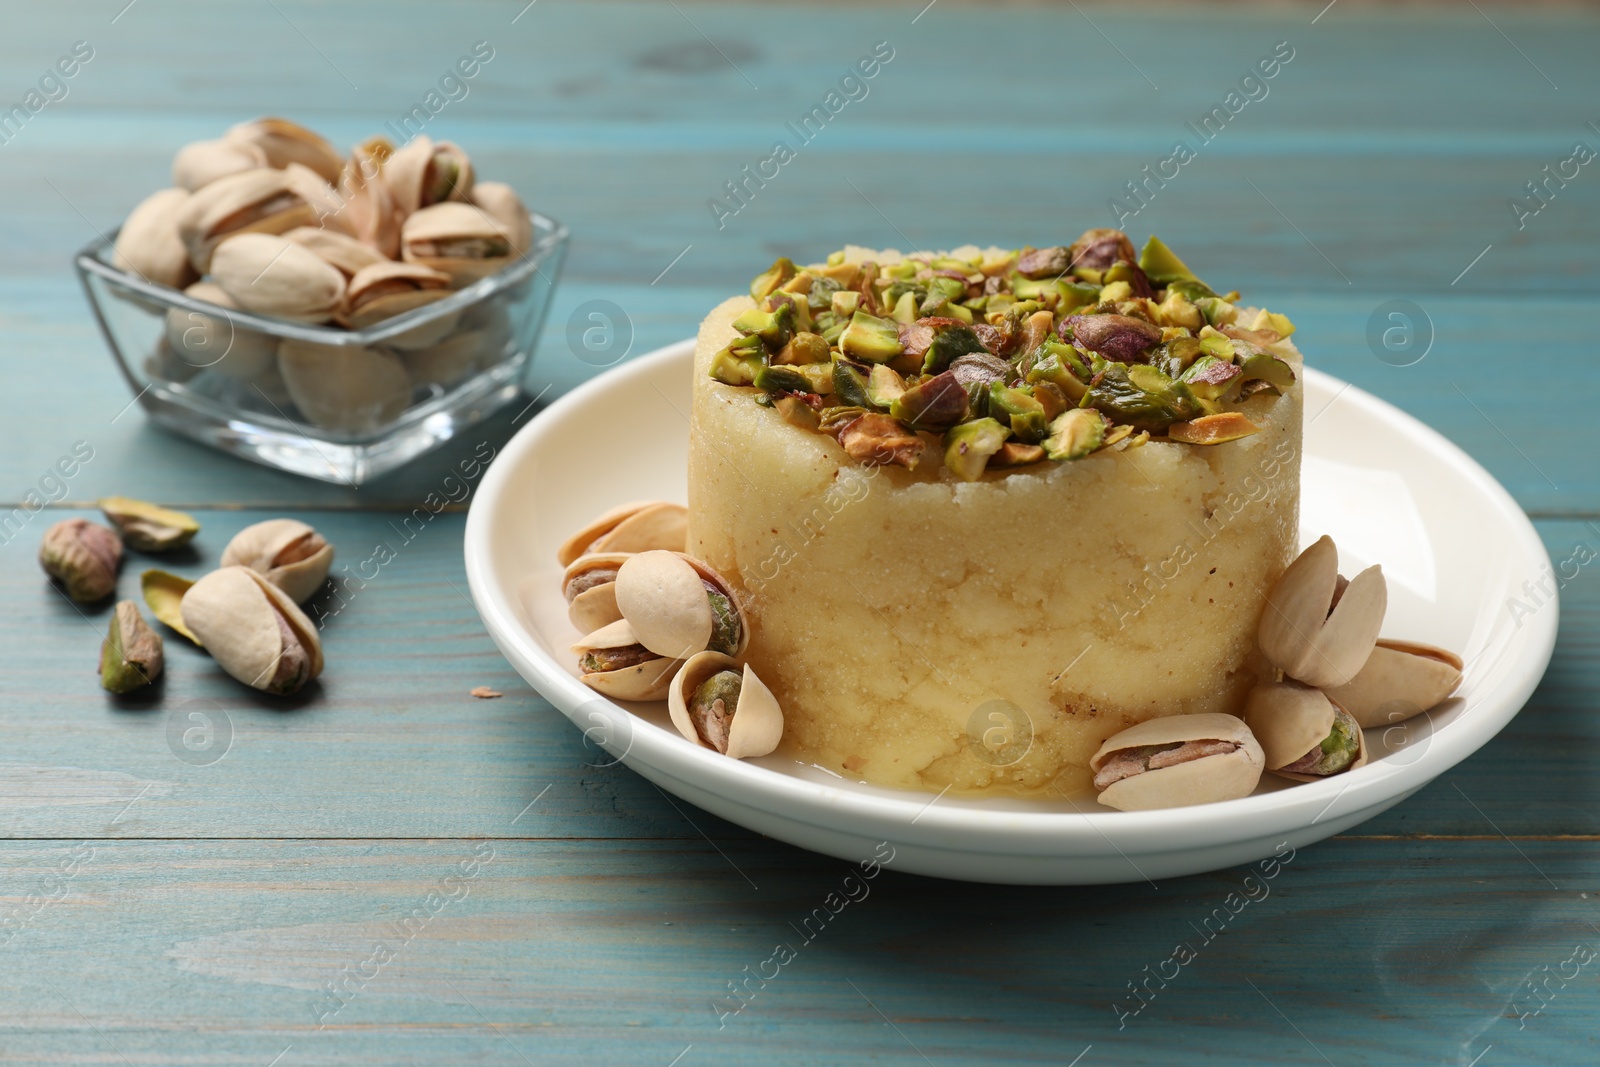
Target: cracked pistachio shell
[427,172]
[252,201]
[149,243]
[663,595]
[283,142]
[595,606]
[216,342]
[1400,679]
[163,594]
[1290,720]
[199,164]
[636,527]
[386,289]
[131,656]
[756,725]
[369,202]
[349,254]
[286,552]
[344,388]
[271,275]
[460,239]
[149,527]
[1307,641]
[253,630]
[502,203]
[643,681]
[83,556]
[1201,781]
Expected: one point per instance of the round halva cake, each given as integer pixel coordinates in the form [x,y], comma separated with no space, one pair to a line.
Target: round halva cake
[973,593]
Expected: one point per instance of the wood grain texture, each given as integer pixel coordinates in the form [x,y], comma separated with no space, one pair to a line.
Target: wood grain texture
[158,910]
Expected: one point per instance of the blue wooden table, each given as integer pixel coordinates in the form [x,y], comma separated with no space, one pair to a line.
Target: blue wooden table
[283,904]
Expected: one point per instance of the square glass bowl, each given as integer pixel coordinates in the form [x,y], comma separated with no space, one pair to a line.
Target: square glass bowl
[327,403]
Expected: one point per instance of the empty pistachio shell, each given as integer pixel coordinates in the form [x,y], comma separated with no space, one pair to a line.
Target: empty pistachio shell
[369,202]
[252,201]
[344,388]
[270,275]
[1177,761]
[163,594]
[348,253]
[83,556]
[149,527]
[1295,722]
[427,172]
[678,606]
[462,240]
[253,630]
[149,244]
[1400,679]
[385,289]
[590,588]
[214,341]
[636,527]
[283,142]
[715,704]
[286,552]
[1311,630]
[131,655]
[503,205]
[203,162]
[611,661]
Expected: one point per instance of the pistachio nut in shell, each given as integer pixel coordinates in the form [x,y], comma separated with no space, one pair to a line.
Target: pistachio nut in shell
[444,362]
[344,388]
[369,202]
[612,661]
[163,594]
[721,707]
[678,606]
[502,204]
[271,275]
[149,527]
[252,201]
[1304,735]
[131,656]
[636,527]
[286,552]
[462,240]
[213,340]
[384,290]
[149,245]
[253,630]
[328,208]
[83,556]
[1400,679]
[283,142]
[589,586]
[427,172]
[348,253]
[1176,761]
[199,164]
[1316,630]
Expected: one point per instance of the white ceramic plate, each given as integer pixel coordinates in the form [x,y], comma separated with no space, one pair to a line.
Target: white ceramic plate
[1453,543]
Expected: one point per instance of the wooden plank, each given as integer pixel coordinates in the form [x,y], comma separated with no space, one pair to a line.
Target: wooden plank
[390,744]
[1354,952]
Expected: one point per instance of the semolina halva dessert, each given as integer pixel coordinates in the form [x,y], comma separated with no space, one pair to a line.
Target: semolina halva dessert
[984,510]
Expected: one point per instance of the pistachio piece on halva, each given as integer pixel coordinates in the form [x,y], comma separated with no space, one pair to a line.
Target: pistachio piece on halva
[286,552]
[83,556]
[612,661]
[1316,628]
[969,447]
[502,204]
[459,239]
[271,275]
[427,172]
[199,164]
[1177,761]
[344,388]
[149,527]
[149,244]
[728,710]
[131,656]
[283,142]
[252,201]
[636,527]
[678,606]
[163,594]
[204,340]
[1400,679]
[253,630]
[1305,735]
[1075,433]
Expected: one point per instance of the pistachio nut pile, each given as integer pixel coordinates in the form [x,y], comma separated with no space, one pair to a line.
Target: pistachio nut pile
[245,614]
[271,219]
[1005,358]
[660,623]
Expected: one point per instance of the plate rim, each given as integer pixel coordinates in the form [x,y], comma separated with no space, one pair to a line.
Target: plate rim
[916,816]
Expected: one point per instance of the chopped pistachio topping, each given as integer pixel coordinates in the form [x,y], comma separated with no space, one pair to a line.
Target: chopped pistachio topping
[936,345]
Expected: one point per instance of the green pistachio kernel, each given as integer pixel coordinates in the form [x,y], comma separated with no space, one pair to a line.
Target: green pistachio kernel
[1075,433]
[871,339]
[967,447]
[781,271]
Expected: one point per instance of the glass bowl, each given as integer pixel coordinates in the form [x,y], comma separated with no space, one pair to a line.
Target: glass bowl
[337,405]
